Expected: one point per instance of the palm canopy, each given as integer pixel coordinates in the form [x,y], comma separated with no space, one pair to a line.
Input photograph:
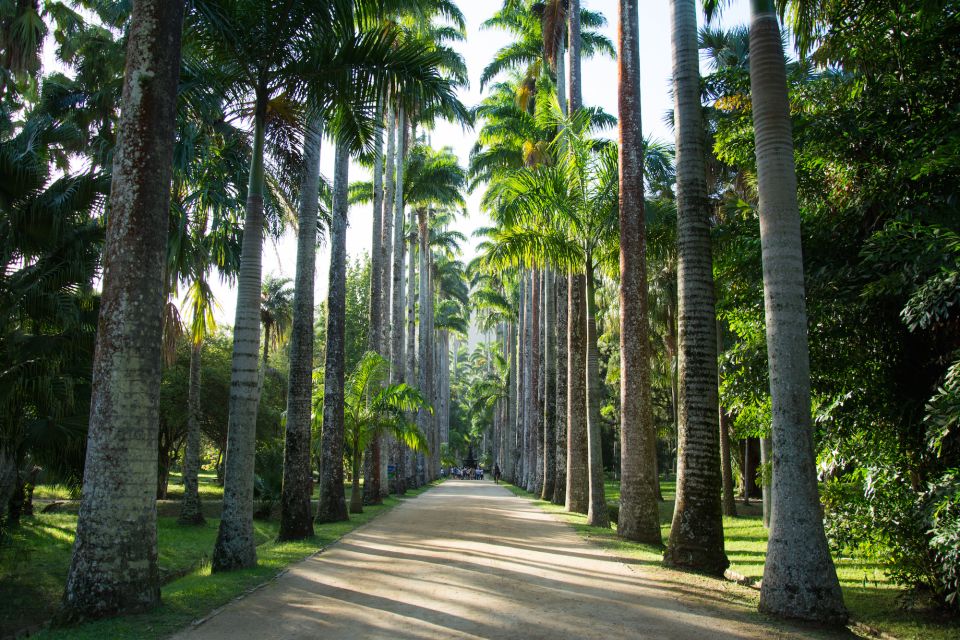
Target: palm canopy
[536,26]
[331,60]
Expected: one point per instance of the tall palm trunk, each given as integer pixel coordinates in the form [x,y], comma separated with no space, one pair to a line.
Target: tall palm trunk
[333,506]
[114,563]
[235,547]
[415,468]
[522,346]
[696,534]
[726,467]
[577,455]
[529,406]
[371,455]
[639,512]
[597,513]
[549,388]
[535,442]
[508,453]
[388,444]
[296,521]
[190,508]
[397,355]
[799,578]
[560,464]
[424,372]
[541,389]
[578,478]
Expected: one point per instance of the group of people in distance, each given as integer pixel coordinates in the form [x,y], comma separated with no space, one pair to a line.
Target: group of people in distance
[471,473]
[467,473]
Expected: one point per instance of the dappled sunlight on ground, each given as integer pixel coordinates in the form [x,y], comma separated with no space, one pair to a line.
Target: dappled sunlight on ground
[468,559]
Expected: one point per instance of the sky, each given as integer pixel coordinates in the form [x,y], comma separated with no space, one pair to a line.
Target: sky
[599,89]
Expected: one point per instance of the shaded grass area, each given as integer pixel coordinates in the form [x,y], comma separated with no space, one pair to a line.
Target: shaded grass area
[207,486]
[35,559]
[869,595]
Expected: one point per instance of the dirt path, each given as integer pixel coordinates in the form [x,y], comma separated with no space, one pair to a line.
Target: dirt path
[470,560]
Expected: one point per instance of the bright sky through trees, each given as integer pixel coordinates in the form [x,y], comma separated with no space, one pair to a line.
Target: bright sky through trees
[600,89]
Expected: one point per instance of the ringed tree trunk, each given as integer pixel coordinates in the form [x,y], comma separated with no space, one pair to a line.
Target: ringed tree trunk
[397,355]
[549,388]
[535,440]
[560,463]
[190,509]
[696,534]
[540,389]
[236,547]
[521,370]
[333,507]
[387,443]
[508,451]
[639,517]
[371,456]
[413,470]
[424,373]
[529,410]
[296,519]
[578,476]
[799,578]
[114,564]
[597,513]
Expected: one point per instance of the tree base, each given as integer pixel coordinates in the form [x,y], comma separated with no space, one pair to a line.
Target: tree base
[696,560]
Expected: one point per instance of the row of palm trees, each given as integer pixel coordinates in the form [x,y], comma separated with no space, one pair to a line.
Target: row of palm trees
[293,72]
[568,210]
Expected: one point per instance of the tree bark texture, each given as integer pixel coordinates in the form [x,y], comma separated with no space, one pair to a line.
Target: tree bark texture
[190,509]
[333,505]
[235,547]
[696,534]
[639,512]
[560,464]
[549,387]
[535,444]
[371,455]
[296,519]
[597,513]
[578,476]
[114,564]
[424,372]
[575,67]
[799,578]
[397,355]
[414,468]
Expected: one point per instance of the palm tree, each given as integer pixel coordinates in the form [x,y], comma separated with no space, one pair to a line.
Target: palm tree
[639,513]
[342,57]
[332,506]
[296,522]
[562,212]
[696,535]
[799,577]
[373,409]
[114,562]
[276,315]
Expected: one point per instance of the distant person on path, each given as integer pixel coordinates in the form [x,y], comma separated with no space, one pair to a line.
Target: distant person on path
[496,473]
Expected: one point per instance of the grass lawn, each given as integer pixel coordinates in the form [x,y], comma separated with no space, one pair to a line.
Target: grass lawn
[867,591]
[35,559]
[207,487]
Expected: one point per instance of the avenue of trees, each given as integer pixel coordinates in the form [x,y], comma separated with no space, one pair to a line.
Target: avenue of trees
[766,304]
